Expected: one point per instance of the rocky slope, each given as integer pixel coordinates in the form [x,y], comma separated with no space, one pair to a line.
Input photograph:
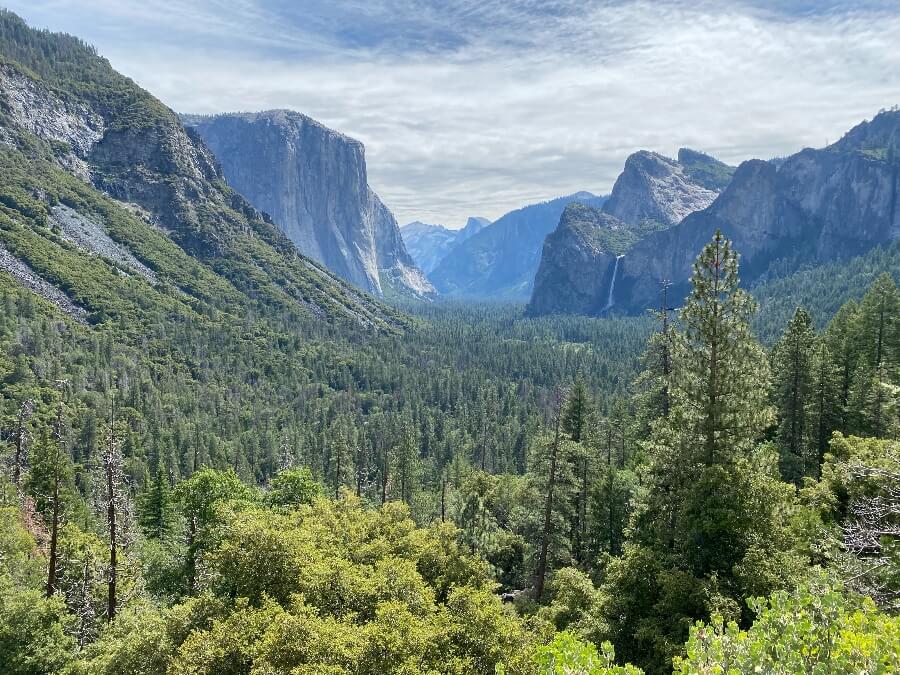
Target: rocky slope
[811,208]
[312,182]
[500,261]
[144,197]
[430,244]
[654,187]
[579,264]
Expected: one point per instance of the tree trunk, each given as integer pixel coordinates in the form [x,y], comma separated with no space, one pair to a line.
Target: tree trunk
[54,531]
[548,508]
[111,518]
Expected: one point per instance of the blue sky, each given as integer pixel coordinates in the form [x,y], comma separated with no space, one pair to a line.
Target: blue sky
[478,107]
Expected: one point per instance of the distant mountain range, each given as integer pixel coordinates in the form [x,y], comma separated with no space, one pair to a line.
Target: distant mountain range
[500,261]
[811,208]
[429,244]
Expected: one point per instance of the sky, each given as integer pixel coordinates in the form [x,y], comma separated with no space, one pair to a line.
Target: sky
[478,107]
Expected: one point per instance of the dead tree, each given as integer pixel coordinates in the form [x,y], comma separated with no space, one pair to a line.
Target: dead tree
[546,531]
[21,440]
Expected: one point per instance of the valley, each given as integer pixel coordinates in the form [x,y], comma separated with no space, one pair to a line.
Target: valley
[250,424]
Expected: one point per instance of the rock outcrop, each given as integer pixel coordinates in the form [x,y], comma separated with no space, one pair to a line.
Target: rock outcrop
[500,261]
[430,244]
[577,263]
[580,262]
[312,182]
[813,207]
[653,187]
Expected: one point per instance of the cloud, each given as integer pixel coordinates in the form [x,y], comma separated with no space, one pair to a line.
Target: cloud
[480,107]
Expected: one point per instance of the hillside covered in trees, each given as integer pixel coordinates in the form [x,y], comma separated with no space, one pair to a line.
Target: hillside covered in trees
[757,491]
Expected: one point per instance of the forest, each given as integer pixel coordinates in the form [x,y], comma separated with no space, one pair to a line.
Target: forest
[474,492]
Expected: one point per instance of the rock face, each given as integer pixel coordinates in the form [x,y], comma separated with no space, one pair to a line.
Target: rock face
[815,206]
[580,263]
[430,244]
[312,182]
[576,263]
[653,187]
[500,261]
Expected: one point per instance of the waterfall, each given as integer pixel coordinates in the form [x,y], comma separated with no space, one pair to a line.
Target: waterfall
[612,284]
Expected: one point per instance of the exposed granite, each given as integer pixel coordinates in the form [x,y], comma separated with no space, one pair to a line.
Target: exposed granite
[312,182]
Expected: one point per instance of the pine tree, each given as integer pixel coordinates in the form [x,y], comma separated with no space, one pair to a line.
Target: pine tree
[842,339]
[555,452]
[792,386]
[712,511]
[156,507]
[721,377]
[876,376]
[824,410]
[577,411]
[575,421]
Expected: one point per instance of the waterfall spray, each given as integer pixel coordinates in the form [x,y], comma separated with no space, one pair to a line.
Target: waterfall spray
[612,284]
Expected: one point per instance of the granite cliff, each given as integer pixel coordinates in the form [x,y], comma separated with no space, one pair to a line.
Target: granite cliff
[96,168]
[814,207]
[312,182]
[579,263]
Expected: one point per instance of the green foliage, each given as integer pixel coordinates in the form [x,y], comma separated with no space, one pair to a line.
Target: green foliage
[711,527]
[567,655]
[813,630]
[292,488]
[156,508]
[33,637]
[792,389]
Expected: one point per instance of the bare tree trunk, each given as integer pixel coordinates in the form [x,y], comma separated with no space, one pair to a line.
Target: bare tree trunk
[443,498]
[21,440]
[548,506]
[111,518]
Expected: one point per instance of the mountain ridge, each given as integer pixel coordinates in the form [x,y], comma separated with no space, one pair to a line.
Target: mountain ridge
[500,261]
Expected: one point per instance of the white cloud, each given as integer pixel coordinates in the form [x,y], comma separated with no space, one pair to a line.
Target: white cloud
[516,102]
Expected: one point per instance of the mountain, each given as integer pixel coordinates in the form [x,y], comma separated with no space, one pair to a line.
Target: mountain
[808,209]
[586,239]
[579,259]
[654,187]
[814,207]
[429,244]
[114,209]
[312,181]
[500,261]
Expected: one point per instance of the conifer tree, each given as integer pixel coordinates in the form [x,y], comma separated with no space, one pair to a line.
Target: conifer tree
[577,411]
[824,410]
[156,507]
[721,378]
[792,386]
[712,514]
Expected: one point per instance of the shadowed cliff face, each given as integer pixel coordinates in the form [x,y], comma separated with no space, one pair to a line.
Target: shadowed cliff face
[813,207]
[816,206]
[311,180]
[578,272]
[500,261]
